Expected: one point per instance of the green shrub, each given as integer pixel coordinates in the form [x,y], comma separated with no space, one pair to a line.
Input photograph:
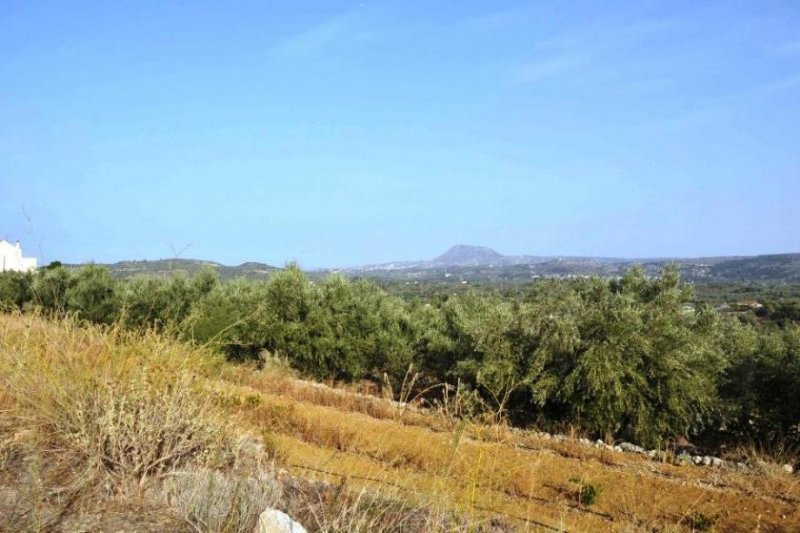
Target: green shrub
[589,494]
[15,290]
[92,295]
[586,493]
[49,289]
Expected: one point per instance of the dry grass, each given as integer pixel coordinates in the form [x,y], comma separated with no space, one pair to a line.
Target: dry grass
[280,382]
[130,404]
[92,415]
[481,470]
[214,501]
[101,429]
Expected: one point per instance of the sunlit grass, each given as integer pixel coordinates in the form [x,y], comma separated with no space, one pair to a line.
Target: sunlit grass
[96,416]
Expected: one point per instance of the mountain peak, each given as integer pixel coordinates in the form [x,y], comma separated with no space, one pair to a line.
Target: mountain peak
[466,255]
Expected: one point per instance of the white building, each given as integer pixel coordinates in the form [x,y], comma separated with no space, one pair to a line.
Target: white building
[11,258]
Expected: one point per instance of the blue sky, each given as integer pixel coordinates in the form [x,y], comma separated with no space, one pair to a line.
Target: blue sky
[343,133]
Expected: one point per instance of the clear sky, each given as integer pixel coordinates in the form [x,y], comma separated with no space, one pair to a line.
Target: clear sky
[345,133]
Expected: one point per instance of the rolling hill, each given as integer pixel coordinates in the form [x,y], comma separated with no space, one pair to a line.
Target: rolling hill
[166,267]
[483,264]
[478,263]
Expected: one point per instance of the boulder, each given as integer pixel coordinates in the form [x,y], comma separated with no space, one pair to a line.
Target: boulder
[632,448]
[274,521]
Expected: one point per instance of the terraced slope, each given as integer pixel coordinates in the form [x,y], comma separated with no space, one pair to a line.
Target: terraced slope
[342,461]
[485,471]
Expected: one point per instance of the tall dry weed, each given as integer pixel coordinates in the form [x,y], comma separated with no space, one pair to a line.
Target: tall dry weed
[133,404]
[209,500]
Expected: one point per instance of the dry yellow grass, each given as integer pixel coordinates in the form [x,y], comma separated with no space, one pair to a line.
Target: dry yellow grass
[93,419]
[530,484]
[480,470]
[351,441]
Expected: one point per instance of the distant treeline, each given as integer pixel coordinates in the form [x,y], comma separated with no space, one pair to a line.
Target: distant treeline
[624,358]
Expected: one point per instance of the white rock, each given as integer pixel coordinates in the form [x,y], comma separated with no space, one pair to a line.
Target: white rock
[698,460]
[274,521]
[617,449]
[716,462]
[788,468]
[628,447]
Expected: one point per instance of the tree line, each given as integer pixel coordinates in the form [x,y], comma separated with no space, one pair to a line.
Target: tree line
[623,358]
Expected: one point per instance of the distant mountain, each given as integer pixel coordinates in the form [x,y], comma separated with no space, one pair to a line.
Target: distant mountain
[479,263]
[463,255]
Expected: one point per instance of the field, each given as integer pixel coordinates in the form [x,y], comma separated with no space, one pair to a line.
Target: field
[96,423]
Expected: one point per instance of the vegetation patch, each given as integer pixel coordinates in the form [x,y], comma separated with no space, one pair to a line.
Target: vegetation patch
[106,426]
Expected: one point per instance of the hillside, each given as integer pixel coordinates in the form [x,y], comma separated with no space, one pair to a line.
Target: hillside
[461,255]
[763,268]
[482,264]
[167,267]
[334,459]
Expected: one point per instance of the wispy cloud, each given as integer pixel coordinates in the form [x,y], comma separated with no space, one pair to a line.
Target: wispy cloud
[316,39]
[722,108]
[690,120]
[607,35]
[580,47]
[494,21]
[537,71]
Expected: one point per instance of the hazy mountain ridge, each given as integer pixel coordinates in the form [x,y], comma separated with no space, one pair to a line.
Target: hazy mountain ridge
[480,263]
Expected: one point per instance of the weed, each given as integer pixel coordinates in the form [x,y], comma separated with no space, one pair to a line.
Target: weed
[132,404]
[587,493]
[214,501]
[702,522]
